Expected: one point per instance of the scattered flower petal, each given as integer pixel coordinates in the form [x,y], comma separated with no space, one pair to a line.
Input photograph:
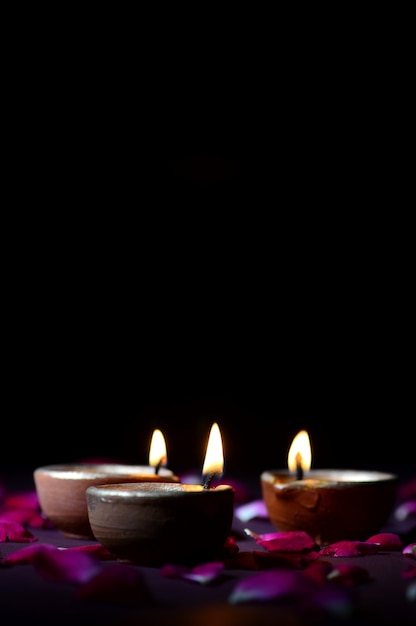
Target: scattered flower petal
[256,560]
[407,491]
[329,600]
[350,548]
[348,575]
[290,541]
[271,585]
[387,541]
[27,517]
[15,532]
[55,564]
[405,510]
[409,573]
[231,546]
[97,550]
[410,550]
[118,584]
[203,574]
[23,500]
[252,510]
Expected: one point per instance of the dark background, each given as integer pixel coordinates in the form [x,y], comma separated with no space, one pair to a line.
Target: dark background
[216,241]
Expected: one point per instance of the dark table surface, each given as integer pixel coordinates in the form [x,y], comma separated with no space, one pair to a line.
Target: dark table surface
[27,595]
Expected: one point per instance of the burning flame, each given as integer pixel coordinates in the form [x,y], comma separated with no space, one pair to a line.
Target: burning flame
[300,454]
[214,457]
[158,455]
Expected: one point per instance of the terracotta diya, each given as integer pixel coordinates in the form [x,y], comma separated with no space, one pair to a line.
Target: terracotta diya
[330,504]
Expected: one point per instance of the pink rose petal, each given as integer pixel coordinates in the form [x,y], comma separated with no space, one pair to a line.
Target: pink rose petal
[56,564]
[405,510]
[291,541]
[256,560]
[252,510]
[27,517]
[271,585]
[231,546]
[23,500]
[15,532]
[203,574]
[407,491]
[387,541]
[409,573]
[329,600]
[410,550]
[350,548]
[96,550]
[118,584]
[348,575]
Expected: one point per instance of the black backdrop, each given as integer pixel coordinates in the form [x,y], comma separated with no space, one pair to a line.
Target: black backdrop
[203,293]
[175,257]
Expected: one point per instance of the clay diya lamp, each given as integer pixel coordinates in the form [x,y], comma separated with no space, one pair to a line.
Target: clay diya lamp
[157,523]
[331,504]
[61,488]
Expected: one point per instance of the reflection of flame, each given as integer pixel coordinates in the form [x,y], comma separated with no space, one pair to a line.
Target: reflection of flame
[214,459]
[157,454]
[300,454]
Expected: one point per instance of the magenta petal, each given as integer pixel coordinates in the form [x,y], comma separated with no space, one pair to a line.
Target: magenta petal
[348,575]
[405,510]
[291,541]
[29,554]
[271,585]
[173,571]
[252,510]
[410,550]
[330,600]
[205,573]
[409,573]
[24,500]
[96,550]
[26,517]
[57,564]
[118,584]
[350,548]
[387,541]
[15,532]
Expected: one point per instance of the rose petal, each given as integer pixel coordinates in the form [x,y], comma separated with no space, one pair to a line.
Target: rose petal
[405,510]
[329,600]
[256,560]
[407,491]
[56,564]
[231,546]
[203,574]
[96,550]
[348,575]
[27,517]
[290,541]
[15,532]
[271,585]
[318,571]
[23,500]
[409,573]
[119,584]
[252,510]
[350,548]
[410,550]
[387,541]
